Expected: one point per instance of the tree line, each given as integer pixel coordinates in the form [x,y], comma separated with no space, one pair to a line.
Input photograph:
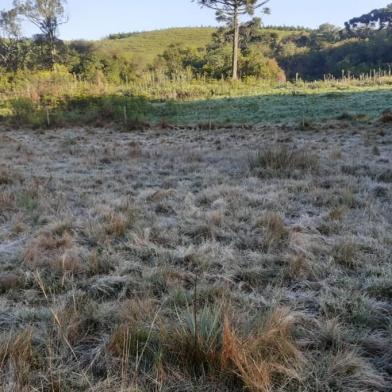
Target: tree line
[241,48]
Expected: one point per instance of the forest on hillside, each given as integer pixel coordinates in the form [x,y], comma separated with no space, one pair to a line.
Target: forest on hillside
[274,53]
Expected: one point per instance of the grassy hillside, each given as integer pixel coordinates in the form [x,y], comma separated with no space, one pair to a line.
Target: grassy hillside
[144,47]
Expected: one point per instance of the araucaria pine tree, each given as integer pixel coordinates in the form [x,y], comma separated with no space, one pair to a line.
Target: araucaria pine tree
[230,11]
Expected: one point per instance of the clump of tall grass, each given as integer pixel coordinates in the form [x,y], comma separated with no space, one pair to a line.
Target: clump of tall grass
[386,116]
[7,176]
[346,254]
[281,160]
[205,343]
[17,352]
[54,252]
[265,357]
[276,233]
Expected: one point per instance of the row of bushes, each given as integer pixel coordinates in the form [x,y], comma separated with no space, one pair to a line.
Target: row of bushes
[127,111]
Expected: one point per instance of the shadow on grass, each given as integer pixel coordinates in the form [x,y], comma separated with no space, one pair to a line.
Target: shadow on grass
[288,108]
[131,113]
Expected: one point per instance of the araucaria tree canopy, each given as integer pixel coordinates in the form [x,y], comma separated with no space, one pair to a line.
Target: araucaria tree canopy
[230,11]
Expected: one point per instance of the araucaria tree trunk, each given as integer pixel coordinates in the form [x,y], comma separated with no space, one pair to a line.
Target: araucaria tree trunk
[52,47]
[236,26]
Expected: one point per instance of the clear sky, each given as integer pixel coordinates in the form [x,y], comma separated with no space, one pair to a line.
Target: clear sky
[93,19]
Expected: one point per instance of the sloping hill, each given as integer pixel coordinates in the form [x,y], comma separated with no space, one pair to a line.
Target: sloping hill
[144,47]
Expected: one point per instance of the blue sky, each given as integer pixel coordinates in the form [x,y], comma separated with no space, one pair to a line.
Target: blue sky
[93,19]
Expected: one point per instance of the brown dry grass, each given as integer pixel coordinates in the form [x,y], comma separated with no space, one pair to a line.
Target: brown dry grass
[6,177]
[284,160]
[346,253]
[158,261]
[262,357]
[10,281]
[54,252]
[275,231]
[17,353]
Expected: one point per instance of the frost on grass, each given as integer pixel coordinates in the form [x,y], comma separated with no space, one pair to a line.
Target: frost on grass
[239,259]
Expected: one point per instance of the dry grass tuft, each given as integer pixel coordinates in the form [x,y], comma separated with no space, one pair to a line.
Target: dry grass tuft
[54,252]
[78,320]
[300,267]
[194,344]
[135,150]
[215,217]
[98,263]
[346,254]
[265,356]
[282,160]
[18,224]
[336,154]
[69,261]
[344,370]
[46,242]
[275,232]
[385,176]
[10,281]
[136,338]
[17,359]
[386,116]
[7,201]
[205,343]
[337,213]
[6,176]
[116,224]
[134,311]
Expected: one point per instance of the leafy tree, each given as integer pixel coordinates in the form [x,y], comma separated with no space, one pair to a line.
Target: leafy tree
[177,59]
[117,69]
[47,15]
[13,48]
[255,65]
[218,62]
[255,46]
[87,66]
[324,36]
[230,11]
